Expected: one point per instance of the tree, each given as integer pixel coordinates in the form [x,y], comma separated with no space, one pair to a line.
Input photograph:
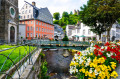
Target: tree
[101,14]
[56,22]
[65,14]
[65,38]
[56,16]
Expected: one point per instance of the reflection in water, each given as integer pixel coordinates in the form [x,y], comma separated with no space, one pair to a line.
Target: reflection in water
[57,63]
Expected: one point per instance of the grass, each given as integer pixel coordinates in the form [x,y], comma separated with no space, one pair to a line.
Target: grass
[2,47]
[15,55]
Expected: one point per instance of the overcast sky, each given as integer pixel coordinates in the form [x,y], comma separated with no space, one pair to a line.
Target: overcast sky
[56,5]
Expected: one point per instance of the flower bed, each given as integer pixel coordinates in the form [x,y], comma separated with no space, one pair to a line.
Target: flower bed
[96,62]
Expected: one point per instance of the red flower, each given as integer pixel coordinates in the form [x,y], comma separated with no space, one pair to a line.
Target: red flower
[108,49]
[113,56]
[107,44]
[78,53]
[96,52]
[100,53]
[104,57]
[97,46]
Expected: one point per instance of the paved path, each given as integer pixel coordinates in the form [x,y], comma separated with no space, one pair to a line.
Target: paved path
[118,71]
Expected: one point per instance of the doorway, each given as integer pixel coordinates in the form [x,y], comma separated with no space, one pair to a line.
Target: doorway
[12,34]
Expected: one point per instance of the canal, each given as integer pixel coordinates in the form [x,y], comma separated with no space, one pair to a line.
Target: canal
[58,63]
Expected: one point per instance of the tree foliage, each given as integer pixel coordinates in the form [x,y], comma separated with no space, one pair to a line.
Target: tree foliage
[56,16]
[67,19]
[65,38]
[100,15]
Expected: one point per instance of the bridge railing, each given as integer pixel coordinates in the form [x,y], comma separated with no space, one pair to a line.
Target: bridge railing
[62,43]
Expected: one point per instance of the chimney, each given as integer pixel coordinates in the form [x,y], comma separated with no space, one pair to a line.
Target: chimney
[78,12]
[75,11]
[33,3]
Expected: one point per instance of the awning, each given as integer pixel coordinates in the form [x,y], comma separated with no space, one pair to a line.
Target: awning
[82,36]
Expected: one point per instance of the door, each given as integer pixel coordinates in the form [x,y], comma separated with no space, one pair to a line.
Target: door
[12,34]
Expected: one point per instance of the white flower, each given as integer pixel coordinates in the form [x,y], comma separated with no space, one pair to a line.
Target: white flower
[96,73]
[81,61]
[108,55]
[91,70]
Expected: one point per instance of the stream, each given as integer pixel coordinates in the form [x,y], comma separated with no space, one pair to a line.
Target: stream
[58,63]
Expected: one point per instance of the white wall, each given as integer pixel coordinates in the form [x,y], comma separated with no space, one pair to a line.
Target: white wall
[22,28]
[23,12]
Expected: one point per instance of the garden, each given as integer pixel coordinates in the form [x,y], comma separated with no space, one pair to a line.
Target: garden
[96,62]
[16,53]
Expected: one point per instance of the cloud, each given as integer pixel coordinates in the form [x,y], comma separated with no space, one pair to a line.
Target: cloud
[57,5]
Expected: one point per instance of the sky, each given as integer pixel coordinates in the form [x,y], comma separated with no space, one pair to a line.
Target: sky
[57,5]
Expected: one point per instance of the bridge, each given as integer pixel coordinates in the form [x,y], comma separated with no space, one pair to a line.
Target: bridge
[60,44]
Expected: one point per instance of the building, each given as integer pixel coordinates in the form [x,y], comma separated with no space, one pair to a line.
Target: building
[79,32]
[38,21]
[114,33]
[58,32]
[9,20]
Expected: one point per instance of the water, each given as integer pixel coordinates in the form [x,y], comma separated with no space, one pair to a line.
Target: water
[58,65]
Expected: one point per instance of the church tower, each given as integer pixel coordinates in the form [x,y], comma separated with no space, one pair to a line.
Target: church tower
[9,20]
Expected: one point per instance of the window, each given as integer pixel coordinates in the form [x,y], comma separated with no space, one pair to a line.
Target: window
[36,28]
[39,23]
[21,17]
[29,11]
[28,16]
[28,22]
[31,16]
[39,34]
[83,31]
[26,11]
[89,32]
[39,28]
[24,17]
[23,12]
[31,28]
[36,34]
[31,34]
[31,22]
[27,34]
[26,6]
[28,28]
[42,29]
[42,24]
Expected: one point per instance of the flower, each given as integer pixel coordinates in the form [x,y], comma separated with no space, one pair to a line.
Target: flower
[114,74]
[96,62]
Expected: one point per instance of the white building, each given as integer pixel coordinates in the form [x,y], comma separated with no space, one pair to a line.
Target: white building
[22,30]
[114,33]
[79,32]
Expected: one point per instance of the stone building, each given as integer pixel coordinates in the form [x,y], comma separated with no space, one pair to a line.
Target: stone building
[9,20]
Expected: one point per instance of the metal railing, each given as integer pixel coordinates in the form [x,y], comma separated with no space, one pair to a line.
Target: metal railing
[17,62]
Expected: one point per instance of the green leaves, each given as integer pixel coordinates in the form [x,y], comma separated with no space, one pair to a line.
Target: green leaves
[56,16]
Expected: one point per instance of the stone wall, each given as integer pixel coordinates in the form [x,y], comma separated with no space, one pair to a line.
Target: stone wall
[5,17]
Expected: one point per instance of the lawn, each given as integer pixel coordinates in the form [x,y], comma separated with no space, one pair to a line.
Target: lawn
[2,47]
[14,55]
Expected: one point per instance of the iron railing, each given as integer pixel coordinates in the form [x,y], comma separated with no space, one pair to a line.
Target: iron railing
[17,62]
